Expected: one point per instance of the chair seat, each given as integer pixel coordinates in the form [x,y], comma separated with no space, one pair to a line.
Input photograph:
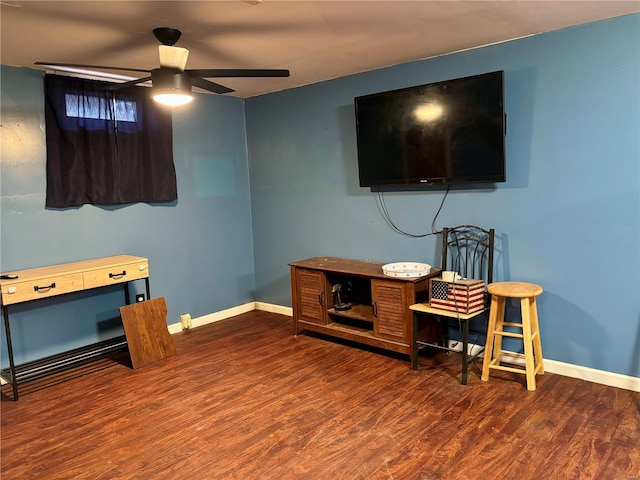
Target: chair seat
[514,289]
[427,308]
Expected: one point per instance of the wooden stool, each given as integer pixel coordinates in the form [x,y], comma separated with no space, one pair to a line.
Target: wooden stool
[527,293]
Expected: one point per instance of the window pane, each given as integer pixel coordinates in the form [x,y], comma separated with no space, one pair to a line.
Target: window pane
[85,106]
[126,111]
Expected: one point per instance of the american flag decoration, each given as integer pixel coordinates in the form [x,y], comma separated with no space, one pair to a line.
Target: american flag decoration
[462,296]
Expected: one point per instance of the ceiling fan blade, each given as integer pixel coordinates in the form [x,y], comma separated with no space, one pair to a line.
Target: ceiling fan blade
[210,86]
[173,57]
[53,65]
[238,72]
[120,86]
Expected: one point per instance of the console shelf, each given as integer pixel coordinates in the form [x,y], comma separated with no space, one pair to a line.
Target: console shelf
[379,315]
[358,312]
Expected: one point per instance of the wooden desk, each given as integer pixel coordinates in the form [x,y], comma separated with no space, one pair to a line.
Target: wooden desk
[43,282]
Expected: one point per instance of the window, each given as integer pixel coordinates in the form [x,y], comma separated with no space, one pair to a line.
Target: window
[106,147]
[80,106]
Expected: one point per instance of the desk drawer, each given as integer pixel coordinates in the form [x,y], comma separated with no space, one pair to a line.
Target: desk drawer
[115,274]
[17,292]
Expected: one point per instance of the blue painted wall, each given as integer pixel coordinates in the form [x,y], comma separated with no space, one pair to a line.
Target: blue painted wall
[568,218]
[200,249]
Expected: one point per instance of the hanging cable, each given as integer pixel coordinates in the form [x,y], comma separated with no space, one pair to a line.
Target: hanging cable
[389,221]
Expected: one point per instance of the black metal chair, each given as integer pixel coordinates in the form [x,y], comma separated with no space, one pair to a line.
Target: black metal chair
[467,250]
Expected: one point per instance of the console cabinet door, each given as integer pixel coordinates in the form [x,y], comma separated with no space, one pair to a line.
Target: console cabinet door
[392,317]
[310,296]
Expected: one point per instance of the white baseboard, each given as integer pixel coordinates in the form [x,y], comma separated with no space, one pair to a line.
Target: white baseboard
[232,312]
[271,308]
[611,379]
[221,315]
[603,377]
[214,317]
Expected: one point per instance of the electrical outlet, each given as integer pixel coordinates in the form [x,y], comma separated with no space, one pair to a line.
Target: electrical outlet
[185,320]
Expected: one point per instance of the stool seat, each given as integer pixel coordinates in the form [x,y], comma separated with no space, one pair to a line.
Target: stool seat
[527,293]
[514,289]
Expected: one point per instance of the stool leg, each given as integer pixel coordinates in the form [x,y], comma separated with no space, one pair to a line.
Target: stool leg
[537,341]
[497,342]
[488,349]
[526,306]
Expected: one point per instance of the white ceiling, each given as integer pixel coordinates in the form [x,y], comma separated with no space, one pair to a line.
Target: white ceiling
[315,40]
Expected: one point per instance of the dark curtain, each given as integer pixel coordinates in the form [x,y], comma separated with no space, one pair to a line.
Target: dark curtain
[106,147]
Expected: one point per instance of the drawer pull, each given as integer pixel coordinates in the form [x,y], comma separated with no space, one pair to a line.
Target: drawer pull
[46,288]
[118,275]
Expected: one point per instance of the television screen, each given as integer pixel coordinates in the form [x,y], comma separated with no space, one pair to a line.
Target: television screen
[441,133]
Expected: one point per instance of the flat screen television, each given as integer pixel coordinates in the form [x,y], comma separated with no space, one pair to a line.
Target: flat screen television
[441,133]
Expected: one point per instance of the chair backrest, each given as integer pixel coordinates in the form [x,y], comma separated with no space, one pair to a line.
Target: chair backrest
[468,250]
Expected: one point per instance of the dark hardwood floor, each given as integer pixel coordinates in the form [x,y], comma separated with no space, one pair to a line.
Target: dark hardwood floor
[245,399]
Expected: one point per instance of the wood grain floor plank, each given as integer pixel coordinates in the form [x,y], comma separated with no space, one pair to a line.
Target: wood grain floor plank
[245,399]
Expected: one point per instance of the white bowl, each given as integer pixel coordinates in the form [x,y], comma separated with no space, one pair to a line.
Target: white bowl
[406,269]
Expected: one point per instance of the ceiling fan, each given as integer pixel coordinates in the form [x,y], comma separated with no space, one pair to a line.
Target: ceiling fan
[171,82]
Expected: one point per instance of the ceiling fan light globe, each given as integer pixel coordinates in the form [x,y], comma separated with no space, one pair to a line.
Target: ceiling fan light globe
[171,87]
[172,99]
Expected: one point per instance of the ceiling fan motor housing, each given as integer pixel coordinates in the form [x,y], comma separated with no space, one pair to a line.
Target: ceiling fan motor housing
[171,81]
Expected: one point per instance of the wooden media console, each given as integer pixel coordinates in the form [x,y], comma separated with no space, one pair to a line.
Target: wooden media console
[376,307]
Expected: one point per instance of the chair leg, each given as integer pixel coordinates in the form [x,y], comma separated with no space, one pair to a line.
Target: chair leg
[465,347]
[414,343]
[445,335]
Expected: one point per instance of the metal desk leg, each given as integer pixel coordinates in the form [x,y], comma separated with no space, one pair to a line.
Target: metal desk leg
[465,348]
[127,299]
[12,367]
[125,287]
